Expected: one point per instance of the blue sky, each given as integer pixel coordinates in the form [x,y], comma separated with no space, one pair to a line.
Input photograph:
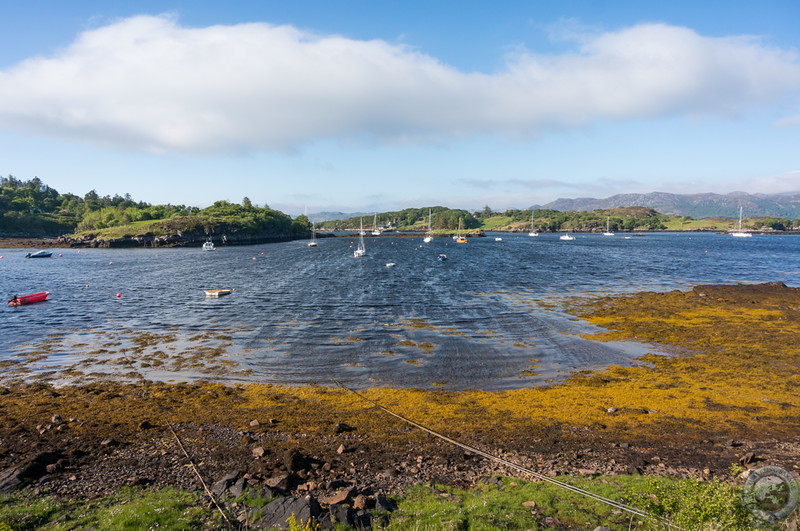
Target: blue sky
[380,105]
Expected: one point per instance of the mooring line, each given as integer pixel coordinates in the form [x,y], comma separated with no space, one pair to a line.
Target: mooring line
[197,472]
[509,464]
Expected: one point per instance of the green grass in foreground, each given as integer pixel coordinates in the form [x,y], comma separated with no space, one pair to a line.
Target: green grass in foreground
[502,503]
[127,509]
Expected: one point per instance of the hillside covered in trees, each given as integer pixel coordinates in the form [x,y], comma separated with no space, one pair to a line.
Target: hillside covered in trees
[33,209]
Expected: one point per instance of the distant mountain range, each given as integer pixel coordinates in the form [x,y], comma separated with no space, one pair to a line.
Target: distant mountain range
[698,206]
[319,217]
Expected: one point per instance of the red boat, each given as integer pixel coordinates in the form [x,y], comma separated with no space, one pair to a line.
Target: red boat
[28,299]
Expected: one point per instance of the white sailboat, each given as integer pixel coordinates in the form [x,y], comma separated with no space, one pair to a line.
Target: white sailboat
[360,250]
[740,233]
[533,231]
[608,227]
[566,237]
[429,236]
[375,230]
[313,242]
[458,237]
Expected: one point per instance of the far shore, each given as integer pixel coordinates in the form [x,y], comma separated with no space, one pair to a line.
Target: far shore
[49,242]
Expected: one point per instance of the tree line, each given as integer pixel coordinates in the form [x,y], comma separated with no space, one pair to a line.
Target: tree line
[31,207]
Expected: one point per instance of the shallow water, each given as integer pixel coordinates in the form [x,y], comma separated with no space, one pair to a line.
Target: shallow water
[486,318]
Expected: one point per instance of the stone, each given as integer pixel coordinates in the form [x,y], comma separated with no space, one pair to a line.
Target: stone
[237,488]
[340,514]
[259,452]
[384,504]
[297,462]
[611,410]
[360,502]
[341,496]
[145,425]
[341,427]
[18,476]
[56,419]
[219,488]
[747,458]
[254,423]
[529,503]
[107,443]
[341,449]
[276,513]
[278,482]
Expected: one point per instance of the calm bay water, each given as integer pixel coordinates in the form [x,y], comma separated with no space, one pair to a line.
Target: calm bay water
[486,318]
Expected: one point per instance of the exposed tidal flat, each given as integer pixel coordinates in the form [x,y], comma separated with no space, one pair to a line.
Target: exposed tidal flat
[713,386]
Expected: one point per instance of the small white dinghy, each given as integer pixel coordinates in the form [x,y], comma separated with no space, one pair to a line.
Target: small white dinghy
[218,292]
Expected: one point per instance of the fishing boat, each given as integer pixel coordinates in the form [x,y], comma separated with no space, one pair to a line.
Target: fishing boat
[360,250]
[533,231]
[39,254]
[566,237]
[313,242]
[28,299]
[441,257]
[209,246]
[740,233]
[218,292]
[429,236]
[608,227]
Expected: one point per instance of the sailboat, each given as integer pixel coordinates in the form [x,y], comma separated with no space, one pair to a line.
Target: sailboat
[608,227]
[375,230]
[740,233]
[313,242]
[360,250]
[459,237]
[533,231]
[429,236]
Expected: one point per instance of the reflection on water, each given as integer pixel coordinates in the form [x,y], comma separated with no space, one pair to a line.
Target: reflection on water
[302,315]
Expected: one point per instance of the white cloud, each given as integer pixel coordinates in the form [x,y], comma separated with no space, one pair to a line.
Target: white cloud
[149,83]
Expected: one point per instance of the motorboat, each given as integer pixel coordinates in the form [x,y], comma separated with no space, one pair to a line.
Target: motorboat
[39,254]
[28,299]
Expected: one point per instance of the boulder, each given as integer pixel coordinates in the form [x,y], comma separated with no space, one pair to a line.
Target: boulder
[275,514]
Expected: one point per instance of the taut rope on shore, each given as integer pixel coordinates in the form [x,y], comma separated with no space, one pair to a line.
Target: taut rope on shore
[514,466]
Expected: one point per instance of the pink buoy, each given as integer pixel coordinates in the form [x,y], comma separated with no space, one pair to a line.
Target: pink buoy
[110,263]
[254,258]
[60,255]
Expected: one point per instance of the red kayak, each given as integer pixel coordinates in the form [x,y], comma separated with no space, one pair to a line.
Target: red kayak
[28,299]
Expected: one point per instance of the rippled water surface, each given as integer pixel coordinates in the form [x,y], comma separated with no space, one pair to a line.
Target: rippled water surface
[484,318]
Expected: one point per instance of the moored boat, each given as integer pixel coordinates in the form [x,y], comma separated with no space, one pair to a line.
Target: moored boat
[218,292]
[28,299]
[39,254]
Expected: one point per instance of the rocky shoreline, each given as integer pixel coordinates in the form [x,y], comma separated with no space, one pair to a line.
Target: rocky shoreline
[716,413]
[343,472]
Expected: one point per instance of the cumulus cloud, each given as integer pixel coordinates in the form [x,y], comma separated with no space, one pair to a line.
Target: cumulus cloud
[149,83]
